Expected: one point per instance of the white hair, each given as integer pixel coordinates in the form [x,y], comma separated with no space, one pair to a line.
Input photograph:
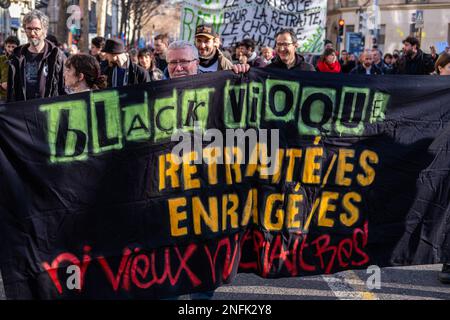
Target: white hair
[183,44]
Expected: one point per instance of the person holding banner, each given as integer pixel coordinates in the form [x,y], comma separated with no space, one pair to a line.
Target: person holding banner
[82,73]
[211,58]
[183,60]
[287,57]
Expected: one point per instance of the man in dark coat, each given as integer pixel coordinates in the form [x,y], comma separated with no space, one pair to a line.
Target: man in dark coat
[366,65]
[121,71]
[414,61]
[36,69]
[287,57]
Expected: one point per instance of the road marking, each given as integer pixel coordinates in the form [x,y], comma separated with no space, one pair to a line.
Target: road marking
[348,286]
[275,291]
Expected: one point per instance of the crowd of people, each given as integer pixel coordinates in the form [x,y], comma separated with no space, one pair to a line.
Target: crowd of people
[43,68]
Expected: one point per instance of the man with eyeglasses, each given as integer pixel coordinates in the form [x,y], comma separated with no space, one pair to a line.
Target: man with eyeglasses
[211,58]
[287,58]
[183,60]
[36,69]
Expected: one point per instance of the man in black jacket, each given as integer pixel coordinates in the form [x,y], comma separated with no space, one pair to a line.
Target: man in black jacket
[121,71]
[287,57]
[414,60]
[36,69]
[366,65]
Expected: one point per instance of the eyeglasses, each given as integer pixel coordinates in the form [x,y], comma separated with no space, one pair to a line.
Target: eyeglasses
[183,63]
[283,44]
[30,30]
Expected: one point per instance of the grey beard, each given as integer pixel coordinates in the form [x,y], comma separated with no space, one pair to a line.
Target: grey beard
[35,42]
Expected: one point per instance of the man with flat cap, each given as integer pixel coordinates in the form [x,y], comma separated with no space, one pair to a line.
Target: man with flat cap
[121,70]
[211,58]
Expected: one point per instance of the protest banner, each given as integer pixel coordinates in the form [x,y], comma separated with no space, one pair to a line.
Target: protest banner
[95,204]
[259,20]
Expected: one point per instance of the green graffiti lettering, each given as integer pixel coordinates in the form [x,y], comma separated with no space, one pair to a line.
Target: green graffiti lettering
[235,105]
[188,18]
[136,121]
[317,105]
[106,122]
[281,99]
[195,107]
[379,106]
[165,116]
[352,111]
[255,100]
[67,130]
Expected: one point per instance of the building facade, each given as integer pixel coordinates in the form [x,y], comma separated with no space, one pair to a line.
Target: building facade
[388,22]
[11,15]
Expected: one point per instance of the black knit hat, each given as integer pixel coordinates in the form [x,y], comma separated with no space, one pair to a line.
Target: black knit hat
[114,46]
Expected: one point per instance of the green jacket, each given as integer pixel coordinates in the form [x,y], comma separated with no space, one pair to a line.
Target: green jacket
[3,74]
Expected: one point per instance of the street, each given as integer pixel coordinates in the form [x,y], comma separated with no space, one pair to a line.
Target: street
[397,283]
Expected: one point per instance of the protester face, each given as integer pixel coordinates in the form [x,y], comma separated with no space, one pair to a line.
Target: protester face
[244,51]
[388,60]
[9,48]
[344,55]
[205,46]
[367,60]
[352,57]
[35,32]
[267,53]
[376,56]
[71,80]
[408,49]
[285,48]
[116,59]
[145,61]
[134,59]
[329,46]
[330,59]
[237,51]
[95,51]
[444,71]
[181,63]
[160,47]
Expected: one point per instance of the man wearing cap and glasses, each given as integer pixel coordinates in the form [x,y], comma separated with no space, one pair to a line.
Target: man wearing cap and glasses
[211,58]
[121,70]
[36,69]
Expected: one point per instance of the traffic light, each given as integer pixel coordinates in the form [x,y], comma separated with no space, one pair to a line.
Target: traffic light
[341,27]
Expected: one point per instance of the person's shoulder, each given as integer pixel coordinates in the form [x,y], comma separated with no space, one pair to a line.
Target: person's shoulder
[306,66]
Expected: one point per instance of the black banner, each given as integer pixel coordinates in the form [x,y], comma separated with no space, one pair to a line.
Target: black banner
[97,201]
